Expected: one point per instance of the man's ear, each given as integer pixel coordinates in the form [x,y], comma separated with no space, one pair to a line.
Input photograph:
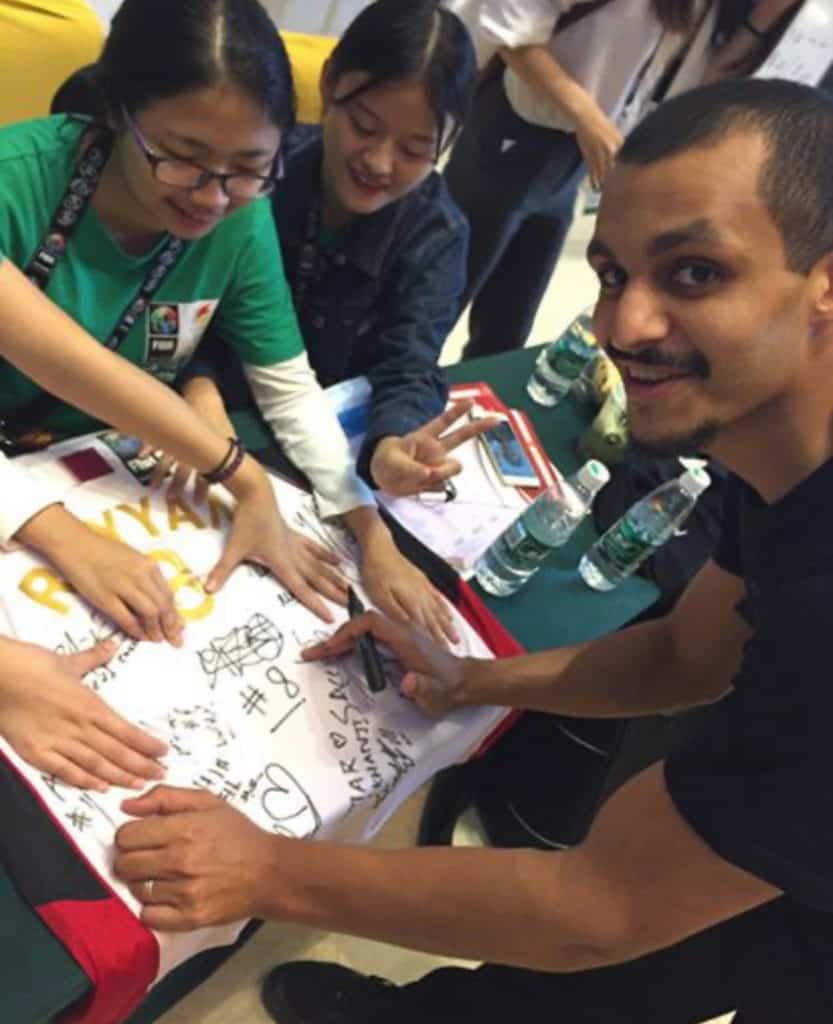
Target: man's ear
[821,290]
[325,86]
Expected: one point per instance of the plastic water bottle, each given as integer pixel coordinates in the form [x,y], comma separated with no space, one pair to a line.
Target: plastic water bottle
[560,364]
[548,523]
[646,526]
[583,389]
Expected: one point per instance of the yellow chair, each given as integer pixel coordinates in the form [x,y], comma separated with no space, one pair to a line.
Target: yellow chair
[307,54]
[41,44]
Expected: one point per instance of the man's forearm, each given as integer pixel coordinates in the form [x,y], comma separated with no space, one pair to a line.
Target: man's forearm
[630,673]
[511,909]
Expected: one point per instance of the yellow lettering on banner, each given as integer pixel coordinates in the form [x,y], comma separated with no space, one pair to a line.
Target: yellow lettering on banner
[107,527]
[184,580]
[179,511]
[192,613]
[141,514]
[162,556]
[219,510]
[42,586]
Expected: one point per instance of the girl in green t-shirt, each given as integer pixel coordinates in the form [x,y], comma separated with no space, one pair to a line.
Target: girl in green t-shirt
[192,101]
[46,715]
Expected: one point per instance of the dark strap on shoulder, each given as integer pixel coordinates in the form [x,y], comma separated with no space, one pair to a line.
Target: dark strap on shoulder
[578,12]
[48,254]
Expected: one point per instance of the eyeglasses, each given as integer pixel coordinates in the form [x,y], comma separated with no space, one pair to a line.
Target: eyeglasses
[185,174]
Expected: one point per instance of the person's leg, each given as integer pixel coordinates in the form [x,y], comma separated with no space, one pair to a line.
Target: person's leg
[504,170]
[503,311]
[704,976]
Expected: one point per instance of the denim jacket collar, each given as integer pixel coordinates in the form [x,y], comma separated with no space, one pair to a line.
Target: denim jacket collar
[366,240]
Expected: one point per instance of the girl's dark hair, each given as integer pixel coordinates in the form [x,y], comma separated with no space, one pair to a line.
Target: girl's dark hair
[679,15]
[675,15]
[400,40]
[157,49]
[733,13]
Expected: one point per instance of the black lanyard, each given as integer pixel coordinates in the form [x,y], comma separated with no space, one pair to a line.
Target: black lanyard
[308,268]
[23,432]
[72,207]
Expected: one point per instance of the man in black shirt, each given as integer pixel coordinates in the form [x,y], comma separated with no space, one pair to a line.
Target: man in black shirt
[706,882]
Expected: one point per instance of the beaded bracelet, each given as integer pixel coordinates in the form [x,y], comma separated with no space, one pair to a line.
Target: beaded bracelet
[756,32]
[229,464]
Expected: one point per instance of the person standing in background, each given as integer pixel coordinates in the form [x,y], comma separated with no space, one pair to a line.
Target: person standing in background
[565,81]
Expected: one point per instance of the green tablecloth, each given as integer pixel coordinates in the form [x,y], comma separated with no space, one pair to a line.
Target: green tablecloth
[554,608]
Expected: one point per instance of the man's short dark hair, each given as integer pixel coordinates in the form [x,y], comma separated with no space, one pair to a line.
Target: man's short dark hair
[796,121]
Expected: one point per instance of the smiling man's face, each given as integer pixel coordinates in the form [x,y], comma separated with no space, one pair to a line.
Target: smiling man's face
[697,306]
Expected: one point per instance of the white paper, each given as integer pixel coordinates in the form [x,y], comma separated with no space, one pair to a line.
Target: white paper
[303,749]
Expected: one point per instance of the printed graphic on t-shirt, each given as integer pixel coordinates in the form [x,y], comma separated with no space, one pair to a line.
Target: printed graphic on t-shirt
[174,329]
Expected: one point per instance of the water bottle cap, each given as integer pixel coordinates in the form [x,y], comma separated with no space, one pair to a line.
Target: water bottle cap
[593,475]
[695,480]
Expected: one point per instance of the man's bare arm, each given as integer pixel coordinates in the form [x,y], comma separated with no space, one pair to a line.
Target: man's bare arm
[680,661]
[624,892]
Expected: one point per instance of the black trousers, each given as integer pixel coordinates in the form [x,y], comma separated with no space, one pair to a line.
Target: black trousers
[754,964]
[516,183]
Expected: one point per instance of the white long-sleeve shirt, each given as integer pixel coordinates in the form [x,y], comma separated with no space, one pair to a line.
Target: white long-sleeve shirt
[23,493]
[292,402]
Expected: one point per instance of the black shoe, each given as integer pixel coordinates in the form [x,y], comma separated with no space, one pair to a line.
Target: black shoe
[311,992]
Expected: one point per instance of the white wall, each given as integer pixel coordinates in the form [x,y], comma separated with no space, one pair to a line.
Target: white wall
[324,17]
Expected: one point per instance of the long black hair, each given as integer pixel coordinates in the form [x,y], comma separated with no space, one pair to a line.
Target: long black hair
[157,49]
[402,40]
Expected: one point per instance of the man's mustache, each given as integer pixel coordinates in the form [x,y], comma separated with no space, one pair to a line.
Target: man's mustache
[695,364]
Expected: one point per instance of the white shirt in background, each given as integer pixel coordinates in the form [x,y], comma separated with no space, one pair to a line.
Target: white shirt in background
[609,52]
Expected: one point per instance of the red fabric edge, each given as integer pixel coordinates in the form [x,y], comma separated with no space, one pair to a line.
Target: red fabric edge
[116,952]
[110,934]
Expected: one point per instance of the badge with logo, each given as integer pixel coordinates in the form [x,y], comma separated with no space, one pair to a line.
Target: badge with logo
[174,329]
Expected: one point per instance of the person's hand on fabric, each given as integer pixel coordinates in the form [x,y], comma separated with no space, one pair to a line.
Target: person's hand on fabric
[420,461]
[402,591]
[434,675]
[124,584]
[61,727]
[259,534]
[208,863]
[599,140]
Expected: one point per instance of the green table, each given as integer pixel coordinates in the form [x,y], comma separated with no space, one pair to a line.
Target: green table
[555,607]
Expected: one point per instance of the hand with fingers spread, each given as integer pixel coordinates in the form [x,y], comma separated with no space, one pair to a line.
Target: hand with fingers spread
[404,592]
[60,726]
[420,461]
[207,861]
[434,676]
[121,582]
[259,534]
[176,477]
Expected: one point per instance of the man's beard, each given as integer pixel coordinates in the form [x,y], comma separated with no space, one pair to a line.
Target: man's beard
[695,443]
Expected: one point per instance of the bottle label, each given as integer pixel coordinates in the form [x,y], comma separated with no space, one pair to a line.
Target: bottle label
[625,545]
[568,357]
[526,552]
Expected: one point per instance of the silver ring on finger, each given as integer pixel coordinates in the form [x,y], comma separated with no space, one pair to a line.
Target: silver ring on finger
[147,889]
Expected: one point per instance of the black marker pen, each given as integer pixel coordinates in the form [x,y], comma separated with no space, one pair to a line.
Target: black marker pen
[371,661]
